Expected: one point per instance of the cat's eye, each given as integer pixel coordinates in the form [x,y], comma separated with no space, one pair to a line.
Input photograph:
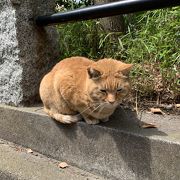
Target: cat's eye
[119,89]
[103,90]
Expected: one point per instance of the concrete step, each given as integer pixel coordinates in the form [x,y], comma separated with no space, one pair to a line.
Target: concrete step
[118,149]
[17,164]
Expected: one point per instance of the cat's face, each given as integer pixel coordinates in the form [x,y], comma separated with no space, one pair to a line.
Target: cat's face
[108,82]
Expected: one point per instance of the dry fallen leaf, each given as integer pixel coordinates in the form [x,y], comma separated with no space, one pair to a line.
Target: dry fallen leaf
[63,165]
[177,105]
[147,125]
[156,111]
[29,151]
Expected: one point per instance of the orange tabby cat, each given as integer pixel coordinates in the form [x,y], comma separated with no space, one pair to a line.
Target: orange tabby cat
[78,87]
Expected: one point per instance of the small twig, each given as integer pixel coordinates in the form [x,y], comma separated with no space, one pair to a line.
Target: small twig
[136,108]
[157,102]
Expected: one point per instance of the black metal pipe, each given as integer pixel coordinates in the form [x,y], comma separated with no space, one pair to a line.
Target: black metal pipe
[104,10]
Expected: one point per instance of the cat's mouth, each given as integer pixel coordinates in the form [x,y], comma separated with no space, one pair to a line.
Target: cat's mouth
[103,109]
[104,105]
[109,105]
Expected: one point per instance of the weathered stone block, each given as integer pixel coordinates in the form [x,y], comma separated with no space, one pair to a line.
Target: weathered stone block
[27,52]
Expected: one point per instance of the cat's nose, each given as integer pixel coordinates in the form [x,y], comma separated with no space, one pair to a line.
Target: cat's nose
[111,98]
[111,102]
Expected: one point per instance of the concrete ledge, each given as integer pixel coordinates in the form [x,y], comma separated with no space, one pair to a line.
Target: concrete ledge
[118,149]
[17,164]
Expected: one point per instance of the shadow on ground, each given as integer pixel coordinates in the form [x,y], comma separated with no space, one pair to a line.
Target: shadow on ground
[122,136]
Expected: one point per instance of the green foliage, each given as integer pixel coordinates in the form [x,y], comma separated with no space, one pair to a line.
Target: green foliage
[78,39]
[151,43]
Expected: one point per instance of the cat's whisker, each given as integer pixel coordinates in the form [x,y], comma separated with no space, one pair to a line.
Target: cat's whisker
[89,108]
[83,111]
[100,110]
[97,103]
[97,107]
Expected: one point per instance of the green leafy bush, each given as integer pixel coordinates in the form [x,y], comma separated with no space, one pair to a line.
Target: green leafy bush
[78,39]
[151,43]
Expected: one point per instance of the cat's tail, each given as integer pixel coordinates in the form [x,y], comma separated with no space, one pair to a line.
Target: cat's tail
[65,119]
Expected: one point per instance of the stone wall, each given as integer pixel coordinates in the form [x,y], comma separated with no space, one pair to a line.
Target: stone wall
[27,52]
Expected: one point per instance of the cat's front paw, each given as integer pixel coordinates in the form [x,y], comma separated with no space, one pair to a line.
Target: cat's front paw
[105,119]
[94,121]
[90,120]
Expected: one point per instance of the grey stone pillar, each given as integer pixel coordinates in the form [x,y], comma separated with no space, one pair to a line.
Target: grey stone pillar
[27,52]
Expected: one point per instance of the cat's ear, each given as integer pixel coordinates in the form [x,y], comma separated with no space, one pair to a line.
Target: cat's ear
[125,69]
[93,73]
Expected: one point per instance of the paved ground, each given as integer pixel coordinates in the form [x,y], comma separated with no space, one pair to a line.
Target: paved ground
[17,164]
